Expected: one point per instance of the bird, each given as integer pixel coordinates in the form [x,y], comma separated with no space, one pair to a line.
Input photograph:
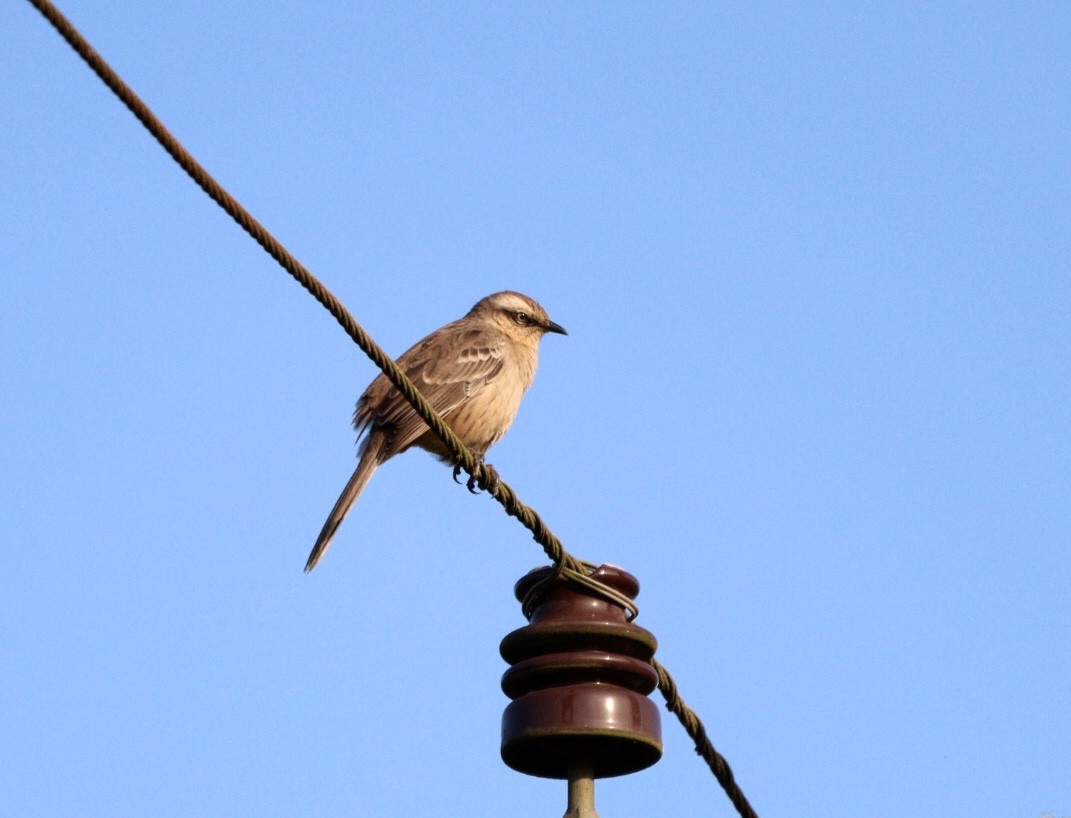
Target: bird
[473,372]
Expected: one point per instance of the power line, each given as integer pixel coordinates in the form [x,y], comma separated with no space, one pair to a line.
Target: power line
[564,563]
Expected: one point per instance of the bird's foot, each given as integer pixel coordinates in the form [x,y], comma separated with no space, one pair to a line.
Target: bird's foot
[484,478]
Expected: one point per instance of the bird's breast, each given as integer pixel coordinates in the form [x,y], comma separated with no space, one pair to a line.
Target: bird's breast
[484,418]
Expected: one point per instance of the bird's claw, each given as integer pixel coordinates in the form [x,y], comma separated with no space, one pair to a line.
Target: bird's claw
[483,478]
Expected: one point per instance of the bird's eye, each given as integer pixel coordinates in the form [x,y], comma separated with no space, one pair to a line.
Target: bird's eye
[522,318]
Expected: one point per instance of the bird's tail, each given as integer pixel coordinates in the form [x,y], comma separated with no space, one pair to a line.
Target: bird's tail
[365,467]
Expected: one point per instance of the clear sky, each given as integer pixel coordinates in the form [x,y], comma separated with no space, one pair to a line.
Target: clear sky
[815,262]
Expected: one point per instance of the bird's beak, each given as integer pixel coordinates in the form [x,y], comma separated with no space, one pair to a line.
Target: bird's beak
[550,326]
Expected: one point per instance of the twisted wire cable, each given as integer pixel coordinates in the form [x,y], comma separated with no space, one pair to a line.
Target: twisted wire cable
[564,562]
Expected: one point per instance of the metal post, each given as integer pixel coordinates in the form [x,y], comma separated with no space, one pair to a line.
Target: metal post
[581,791]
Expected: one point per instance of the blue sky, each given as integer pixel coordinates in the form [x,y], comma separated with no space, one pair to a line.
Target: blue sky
[816,268]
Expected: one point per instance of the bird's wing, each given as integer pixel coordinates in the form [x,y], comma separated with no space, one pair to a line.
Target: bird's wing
[448,367]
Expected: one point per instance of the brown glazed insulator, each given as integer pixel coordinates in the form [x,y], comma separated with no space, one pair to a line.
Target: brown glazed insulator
[579,677]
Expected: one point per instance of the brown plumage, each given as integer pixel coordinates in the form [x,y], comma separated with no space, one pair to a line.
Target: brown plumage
[473,371]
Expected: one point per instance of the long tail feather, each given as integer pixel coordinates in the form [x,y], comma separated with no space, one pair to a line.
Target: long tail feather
[365,468]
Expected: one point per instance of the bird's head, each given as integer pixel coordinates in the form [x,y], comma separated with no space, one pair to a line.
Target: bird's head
[518,315]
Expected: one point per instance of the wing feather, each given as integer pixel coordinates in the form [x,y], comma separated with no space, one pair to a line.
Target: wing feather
[448,367]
